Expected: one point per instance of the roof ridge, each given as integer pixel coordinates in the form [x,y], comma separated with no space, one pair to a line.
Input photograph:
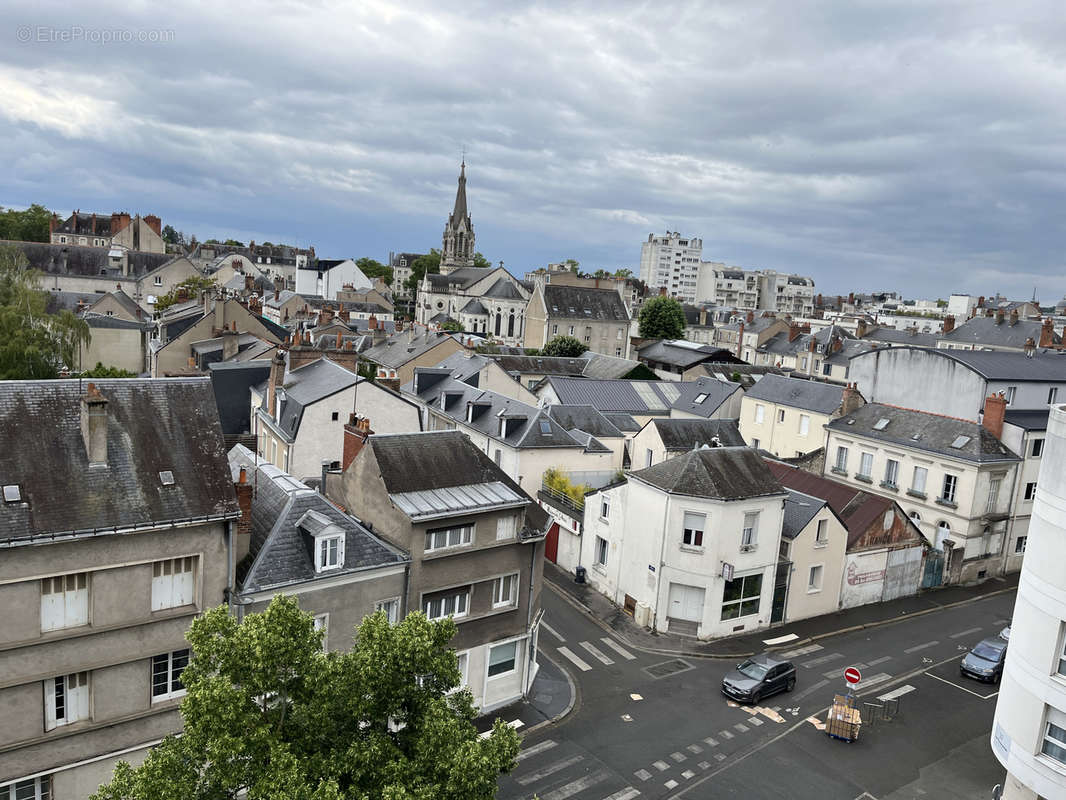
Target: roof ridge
[930,413]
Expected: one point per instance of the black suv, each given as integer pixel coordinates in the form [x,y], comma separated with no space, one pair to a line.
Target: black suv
[758,677]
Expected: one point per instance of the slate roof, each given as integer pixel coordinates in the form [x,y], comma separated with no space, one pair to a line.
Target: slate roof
[68,301]
[68,259]
[152,426]
[584,418]
[463,277]
[128,304]
[402,347]
[1045,365]
[749,374]
[624,422]
[679,435]
[281,551]
[435,460]
[800,509]
[988,331]
[722,473]
[503,289]
[821,398]
[578,302]
[681,354]
[465,365]
[921,430]
[905,336]
[474,306]
[231,383]
[307,385]
[717,392]
[626,396]
[1030,420]
[104,321]
[588,365]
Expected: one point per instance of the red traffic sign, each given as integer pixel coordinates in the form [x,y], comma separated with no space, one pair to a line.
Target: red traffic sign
[852,675]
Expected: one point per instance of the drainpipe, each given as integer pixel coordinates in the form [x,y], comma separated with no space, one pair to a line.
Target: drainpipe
[1008,531]
[529,620]
[406,588]
[662,555]
[231,578]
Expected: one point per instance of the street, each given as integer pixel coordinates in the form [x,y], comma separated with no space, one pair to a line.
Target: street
[656,725]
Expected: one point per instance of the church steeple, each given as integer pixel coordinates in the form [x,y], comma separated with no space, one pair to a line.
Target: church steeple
[458,242]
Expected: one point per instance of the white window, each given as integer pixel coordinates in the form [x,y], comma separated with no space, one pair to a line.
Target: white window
[555,329]
[505,591]
[1030,490]
[39,788]
[805,424]
[1011,392]
[1038,448]
[391,607]
[814,580]
[760,411]
[503,658]
[842,459]
[1019,545]
[1052,394]
[700,398]
[321,623]
[891,472]
[947,493]
[449,605]
[993,495]
[440,538]
[173,583]
[64,602]
[822,536]
[866,465]
[620,332]
[330,551]
[692,530]
[66,699]
[166,674]
[605,507]
[463,664]
[916,518]
[158,281]
[1054,745]
[505,527]
[601,551]
[755,443]
[918,481]
[749,536]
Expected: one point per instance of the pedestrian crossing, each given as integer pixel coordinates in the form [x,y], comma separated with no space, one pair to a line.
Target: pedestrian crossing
[586,655]
[553,770]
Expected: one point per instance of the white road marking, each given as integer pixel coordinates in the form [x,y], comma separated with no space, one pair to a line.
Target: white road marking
[902,690]
[678,757]
[642,774]
[671,784]
[624,794]
[725,734]
[551,630]
[711,742]
[814,687]
[960,634]
[814,662]
[918,647]
[719,756]
[802,651]
[551,769]
[877,661]
[755,721]
[740,726]
[539,747]
[597,654]
[704,765]
[687,774]
[781,639]
[516,724]
[572,788]
[611,643]
[880,677]
[694,748]
[636,697]
[577,662]
[661,765]
[963,688]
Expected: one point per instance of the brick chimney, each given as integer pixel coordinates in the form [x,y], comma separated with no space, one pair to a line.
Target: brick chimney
[325,316]
[837,344]
[344,316]
[244,524]
[1030,347]
[230,343]
[340,341]
[703,317]
[995,411]
[981,301]
[1014,316]
[740,338]
[53,221]
[662,291]
[356,432]
[860,328]
[812,344]
[793,331]
[1000,316]
[949,323]
[751,317]
[850,400]
[153,222]
[372,323]
[851,298]
[277,379]
[1047,333]
[94,426]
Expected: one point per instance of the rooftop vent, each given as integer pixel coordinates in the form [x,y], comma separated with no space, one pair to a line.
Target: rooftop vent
[166,477]
[881,424]
[916,437]
[960,442]
[12,493]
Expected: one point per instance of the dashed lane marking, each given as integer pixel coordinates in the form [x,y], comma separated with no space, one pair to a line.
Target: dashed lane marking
[572,788]
[670,784]
[740,726]
[687,774]
[611,643]
[802,651]
[551,769]
[880,677]
[539,747]
[814,687]
[694,749]
[918,647]
[902,690]
[624,794]
[968,632]
[814,662]
[725,734]
[719,756]
[877,661]
[577,662]
[597,654]
[755,721]
[551,630]
[514,723]
[711,742]
[704,765]
[661,766]
[678,757]
[642,774]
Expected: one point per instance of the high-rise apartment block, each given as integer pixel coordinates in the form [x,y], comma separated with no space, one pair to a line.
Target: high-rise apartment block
[673,261]
[755,290]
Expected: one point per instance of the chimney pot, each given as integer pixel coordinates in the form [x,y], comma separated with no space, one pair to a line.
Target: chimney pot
[277,378]
[949,323]
[94,425]
[994,413]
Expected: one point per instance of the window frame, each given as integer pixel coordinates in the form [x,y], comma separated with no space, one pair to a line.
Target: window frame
[460,598]
[892,472]
[866,466]
[1029,493]
[742,599]
[71,597]
[816,570]
[172,678]
[1019,545]
[40,785]
[511,581]
[327,547]
[1037,448]
[1058,741]
[159,573]
[840,463]
[465,534]
[605,507]
[489,666]
[924,472]
[77,699]
[760,413]
[693,537]
[749,534]
[804,424]
[821,533]
[601,551]
[387,605]
[952,480]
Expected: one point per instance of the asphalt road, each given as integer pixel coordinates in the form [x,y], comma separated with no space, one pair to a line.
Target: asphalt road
[653,725]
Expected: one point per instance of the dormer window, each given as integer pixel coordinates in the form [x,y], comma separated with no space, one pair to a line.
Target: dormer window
[330,552]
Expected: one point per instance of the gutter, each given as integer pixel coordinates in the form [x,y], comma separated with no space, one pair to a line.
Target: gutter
[84,533]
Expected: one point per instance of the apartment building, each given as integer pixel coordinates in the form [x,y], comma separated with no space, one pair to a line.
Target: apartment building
[787,416]
[672,261]
[756,290]
[114,537]
[596,317]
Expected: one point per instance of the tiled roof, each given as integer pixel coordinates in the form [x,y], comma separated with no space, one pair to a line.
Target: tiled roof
[723,473]
[683,434]
[578,302]
[153,426]
[989,331]
[800,509]
[821,398]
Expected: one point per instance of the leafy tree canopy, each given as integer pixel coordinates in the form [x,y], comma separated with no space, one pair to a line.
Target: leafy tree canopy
[28,225]
[566,346]
[193,286]
[100,371]
[269,715]
[171,236]
[452,326]
[375,269]
[661,317]
[34,344]
[420,266]
[234,243]
[481,261]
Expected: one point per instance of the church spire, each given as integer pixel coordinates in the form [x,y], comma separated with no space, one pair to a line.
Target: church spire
[459,212]
[457,245]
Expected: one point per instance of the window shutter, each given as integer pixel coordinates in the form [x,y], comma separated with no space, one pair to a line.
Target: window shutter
[77,600]
[161,585]
[50,703]
[51,605]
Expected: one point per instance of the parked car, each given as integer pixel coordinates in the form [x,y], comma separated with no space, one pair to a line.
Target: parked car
[1005,634]
[758,677]
[985,661]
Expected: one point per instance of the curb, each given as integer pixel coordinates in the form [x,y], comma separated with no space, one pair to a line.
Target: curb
[565,595]
[566,711]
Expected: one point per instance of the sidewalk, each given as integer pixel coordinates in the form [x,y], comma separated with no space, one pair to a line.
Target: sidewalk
[621,624]
[551,698]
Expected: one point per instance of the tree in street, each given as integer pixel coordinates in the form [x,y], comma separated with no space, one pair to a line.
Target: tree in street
[33,343]
[100,371]
[269,715]
[661,317]
[566,346]
[375,269]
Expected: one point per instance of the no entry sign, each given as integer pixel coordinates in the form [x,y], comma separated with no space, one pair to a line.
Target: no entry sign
[852,675]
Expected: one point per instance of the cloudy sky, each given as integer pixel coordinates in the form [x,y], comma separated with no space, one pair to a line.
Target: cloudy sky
[915,145]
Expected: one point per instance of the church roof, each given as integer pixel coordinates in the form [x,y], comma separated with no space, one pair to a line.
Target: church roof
[503,289]
[459,212]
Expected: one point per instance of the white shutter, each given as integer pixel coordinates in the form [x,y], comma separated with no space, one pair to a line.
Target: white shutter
[183,582]
[52,604]
[77,600]
[78,696]
[50,704]
[161,585]
[505,527]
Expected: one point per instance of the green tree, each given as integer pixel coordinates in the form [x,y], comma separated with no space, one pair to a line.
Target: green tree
[573,264]
[601,273]
[623,273]
[566,346]
[28,225]
[481,261]
[375,269]
[100,371]
[193,286]
[452,326]
[33,343]
[269,715]
[234,243]
[170,236]
[661,317]
[420,266]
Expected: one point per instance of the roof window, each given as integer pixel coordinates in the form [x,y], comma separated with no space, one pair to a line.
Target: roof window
[960,442]
[12,493]
[166,477]
[700,398]
[881,424]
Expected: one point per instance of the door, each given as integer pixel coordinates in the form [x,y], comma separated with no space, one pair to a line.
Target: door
[903,573]
[933,575]
[777,609]
[551,543]
[686,602]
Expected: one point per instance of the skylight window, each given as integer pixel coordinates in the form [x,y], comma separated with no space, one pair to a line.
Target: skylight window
[545,426]
[881,424]
[700,398]
[12,493]
[960,442]
[916,437]
[166,477]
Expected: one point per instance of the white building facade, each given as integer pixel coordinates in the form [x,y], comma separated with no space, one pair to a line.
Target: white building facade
[673,261]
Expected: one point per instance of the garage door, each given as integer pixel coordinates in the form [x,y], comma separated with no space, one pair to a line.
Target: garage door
[686,602]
